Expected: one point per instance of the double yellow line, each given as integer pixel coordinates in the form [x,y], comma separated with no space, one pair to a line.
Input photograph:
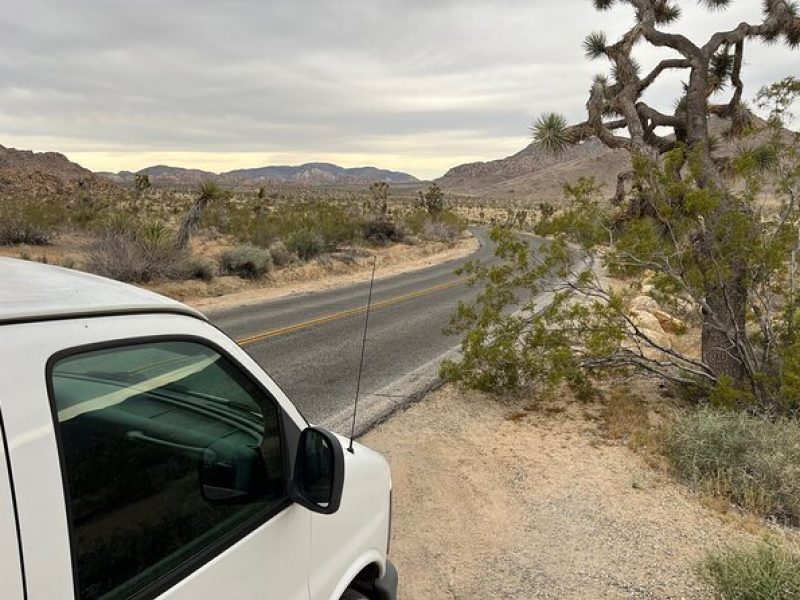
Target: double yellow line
[251,339]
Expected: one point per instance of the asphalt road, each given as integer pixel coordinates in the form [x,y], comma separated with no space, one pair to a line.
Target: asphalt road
[310,344]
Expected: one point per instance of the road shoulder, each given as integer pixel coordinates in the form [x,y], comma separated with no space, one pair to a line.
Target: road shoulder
[322,274]
[493,500]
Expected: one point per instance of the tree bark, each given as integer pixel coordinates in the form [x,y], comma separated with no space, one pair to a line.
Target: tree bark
[191,221]
[726,288]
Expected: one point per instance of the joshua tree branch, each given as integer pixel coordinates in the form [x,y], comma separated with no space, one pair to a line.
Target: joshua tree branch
[672,63]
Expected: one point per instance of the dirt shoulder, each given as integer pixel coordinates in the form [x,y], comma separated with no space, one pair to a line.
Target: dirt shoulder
[493,500]
[320,274]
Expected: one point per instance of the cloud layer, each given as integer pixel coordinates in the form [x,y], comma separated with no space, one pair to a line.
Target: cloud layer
[411,85]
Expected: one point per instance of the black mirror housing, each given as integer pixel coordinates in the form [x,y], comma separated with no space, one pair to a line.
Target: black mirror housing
[318,478]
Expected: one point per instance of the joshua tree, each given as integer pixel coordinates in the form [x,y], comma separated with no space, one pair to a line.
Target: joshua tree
[141,183]
[380,195]
[432,200]
[207,192]
[615,103]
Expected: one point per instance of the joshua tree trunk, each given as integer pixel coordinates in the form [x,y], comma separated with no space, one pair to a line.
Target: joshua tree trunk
[207,192]
[191,222]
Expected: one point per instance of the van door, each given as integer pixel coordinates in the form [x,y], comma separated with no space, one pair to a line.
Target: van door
[11,572]
[175,471]
[194,524]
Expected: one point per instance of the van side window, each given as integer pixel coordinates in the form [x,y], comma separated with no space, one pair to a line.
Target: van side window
[168,451]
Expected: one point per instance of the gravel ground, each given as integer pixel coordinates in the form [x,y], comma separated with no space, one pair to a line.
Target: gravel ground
[495,502]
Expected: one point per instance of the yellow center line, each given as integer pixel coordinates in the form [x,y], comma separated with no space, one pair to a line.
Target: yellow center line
[346,313]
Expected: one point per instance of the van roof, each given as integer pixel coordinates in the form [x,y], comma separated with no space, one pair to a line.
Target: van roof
[31,291]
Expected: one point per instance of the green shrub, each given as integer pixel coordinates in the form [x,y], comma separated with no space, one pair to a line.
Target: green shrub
[280,254]
[29,222]
[262,232]
[306,243]
[246,261]
[85,214]
[751,461]
[765,571]
[381,230]
[200,267]
[307,229]
[445,226]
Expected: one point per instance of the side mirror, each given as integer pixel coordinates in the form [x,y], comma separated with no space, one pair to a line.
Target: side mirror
[318,477]
[231,475]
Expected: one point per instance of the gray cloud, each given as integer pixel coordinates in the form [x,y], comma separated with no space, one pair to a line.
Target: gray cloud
[393,78]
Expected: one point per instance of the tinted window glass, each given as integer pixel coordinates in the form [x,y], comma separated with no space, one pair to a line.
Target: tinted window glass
[168,448]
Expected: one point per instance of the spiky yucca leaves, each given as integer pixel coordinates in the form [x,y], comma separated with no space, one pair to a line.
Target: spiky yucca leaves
[595,45]
[716,4]
[667,13]
[721,68]
[551,131]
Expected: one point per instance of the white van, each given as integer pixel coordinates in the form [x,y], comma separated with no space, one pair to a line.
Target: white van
[143,454]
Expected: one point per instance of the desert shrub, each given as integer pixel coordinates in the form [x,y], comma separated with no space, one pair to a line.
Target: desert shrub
[765,571]
[200,267]
[444,226]
[123,256]
[281,256]
[33,223]
[307,229]
[246,261]
[307,243]
[439,230]
[262,232]
[120,222]
[136,252]
[381,230]
[85,213]
[748,460]
[330,226]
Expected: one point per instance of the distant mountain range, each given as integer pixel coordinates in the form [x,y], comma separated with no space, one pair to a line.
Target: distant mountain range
[307,174]
[526,178]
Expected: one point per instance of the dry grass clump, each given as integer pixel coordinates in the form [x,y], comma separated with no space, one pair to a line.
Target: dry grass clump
[751,461]
[627,416]
[765,571]
[136,254]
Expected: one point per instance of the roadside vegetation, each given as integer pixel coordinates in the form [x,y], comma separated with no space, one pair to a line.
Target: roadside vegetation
[687,275]
[151,236]
[765,571]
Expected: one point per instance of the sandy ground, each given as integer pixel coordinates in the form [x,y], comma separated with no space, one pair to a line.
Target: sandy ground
[493,500]
[317,275]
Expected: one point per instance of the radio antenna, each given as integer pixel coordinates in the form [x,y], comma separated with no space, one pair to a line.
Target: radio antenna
[363,348]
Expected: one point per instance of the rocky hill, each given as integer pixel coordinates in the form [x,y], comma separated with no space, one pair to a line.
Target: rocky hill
[307,174]
[534,175]
[33,175]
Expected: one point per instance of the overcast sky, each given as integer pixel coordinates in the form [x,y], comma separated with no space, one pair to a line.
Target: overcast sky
[412,85]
